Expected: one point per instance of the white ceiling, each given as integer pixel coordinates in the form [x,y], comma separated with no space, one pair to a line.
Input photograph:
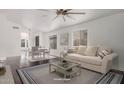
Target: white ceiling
[42,20]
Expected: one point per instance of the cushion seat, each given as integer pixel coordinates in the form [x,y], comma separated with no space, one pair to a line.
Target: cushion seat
[87,59]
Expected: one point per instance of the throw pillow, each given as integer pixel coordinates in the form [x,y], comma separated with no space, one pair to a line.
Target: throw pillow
[91,51]
[100,55]
[75,49]
[103,53]
[104,48]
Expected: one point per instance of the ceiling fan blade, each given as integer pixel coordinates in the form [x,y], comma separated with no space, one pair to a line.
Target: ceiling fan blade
[55,17]
[64,18]
[67,10]
[75,13]
[70,17]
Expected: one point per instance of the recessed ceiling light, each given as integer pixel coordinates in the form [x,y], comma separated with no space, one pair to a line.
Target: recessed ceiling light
[15,27]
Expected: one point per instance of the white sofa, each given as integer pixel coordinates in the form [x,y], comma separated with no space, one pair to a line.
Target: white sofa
[90,59]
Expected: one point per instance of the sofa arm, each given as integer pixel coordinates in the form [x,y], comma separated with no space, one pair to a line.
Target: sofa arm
[110,57]
[107,62]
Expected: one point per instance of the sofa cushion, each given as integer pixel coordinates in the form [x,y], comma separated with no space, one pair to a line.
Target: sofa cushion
[87,59]
[91,51]
[75,49]
[71,50]
[81,50]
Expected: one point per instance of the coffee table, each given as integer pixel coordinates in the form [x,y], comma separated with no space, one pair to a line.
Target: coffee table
[69,70]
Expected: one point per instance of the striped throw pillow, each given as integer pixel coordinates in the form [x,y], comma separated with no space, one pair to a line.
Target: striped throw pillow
[103,53]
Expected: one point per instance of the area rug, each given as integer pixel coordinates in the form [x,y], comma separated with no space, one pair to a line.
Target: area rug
[40,75]
[111,77]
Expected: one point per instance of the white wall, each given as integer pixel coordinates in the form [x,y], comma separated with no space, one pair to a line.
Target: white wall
[9,38]
[107,31]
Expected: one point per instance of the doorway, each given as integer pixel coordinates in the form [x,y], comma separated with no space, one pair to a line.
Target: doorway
[24,45]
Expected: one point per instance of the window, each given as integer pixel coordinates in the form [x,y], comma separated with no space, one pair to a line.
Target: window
[80,38]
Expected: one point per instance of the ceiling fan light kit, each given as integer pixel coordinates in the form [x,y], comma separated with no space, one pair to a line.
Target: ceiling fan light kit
[66,12]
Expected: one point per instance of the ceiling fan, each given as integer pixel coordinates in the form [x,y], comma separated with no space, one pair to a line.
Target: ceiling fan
[65,13]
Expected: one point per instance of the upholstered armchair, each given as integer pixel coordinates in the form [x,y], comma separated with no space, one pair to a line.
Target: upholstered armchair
[2,62]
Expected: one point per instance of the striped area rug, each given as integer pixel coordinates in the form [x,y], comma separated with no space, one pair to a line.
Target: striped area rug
[39,75]
[111,78]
